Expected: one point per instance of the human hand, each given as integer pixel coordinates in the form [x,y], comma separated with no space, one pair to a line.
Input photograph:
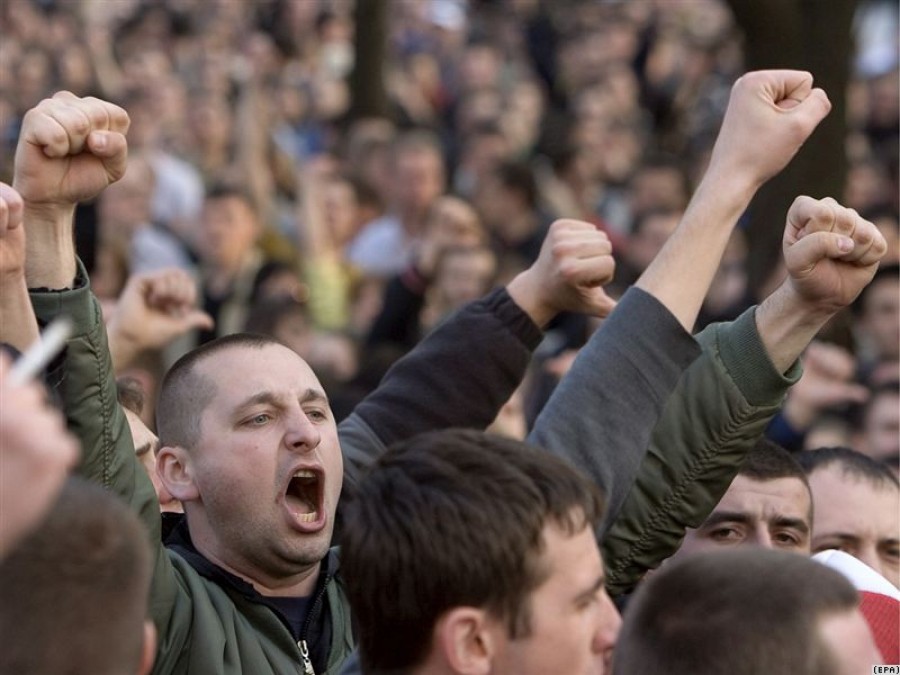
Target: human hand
[574,263]
[69,150]
[12,236]
[153,309]
[36,453]
[770,115]
[830,252]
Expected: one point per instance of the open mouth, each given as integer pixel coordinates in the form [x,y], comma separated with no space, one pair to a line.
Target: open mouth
[303,495]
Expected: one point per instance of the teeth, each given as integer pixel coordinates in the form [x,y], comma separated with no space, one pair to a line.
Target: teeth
[308,517]
[305,473]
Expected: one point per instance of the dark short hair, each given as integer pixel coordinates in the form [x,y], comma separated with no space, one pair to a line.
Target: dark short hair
[852,464]
[75,590]
[266,314]
[740,612]
[447,519]
[130,394]
[184,393]
[226,190]
[518,176]
[768,461]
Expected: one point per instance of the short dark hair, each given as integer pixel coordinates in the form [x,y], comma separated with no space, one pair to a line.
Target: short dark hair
[130,394]
[518,177]
[740,612]
[184,393]
[447,519]
[768,461]
[75,590]
[226,190]
[852,464]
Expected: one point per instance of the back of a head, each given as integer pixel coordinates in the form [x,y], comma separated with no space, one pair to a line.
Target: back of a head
[449,519]
[75,591]
[740,612]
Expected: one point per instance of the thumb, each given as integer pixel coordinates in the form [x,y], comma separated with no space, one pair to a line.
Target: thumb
[807,252]
[198,319]
[112,148]
[603,305]
[812,109]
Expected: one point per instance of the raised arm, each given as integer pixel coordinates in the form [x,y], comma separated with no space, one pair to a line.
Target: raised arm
[36,451]
[770,115]
[70,149]
[18,326]
[468,367]
[601,415]
[727,397]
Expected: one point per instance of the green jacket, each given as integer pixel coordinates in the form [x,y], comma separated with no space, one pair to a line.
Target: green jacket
[720,409]
[207,625]
[208,621]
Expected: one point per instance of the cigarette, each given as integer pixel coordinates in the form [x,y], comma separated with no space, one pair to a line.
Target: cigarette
[41,352]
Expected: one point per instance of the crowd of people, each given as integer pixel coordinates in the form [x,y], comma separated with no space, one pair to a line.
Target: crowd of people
[479,385]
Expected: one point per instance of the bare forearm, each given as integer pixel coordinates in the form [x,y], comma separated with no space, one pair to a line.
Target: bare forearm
[50,247]
[787,325]
[18,325]
[680,275]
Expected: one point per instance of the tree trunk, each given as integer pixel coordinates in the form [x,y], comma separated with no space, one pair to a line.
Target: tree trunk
[799,35]
[367,86]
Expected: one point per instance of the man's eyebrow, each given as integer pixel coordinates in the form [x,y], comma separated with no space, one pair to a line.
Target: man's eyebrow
[796,523]
[590,592]
[256,399]
[312,394]
[270,398]
[144,449]
[841,536]
[719,517]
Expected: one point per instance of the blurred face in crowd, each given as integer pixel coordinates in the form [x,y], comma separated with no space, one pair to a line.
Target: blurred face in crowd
[648,241]
[881,428]
[465,274]
[772,514]
[266,470]
[340,210]
[859,517]
[573,622]
[229,229]
[881,317]
[418,178]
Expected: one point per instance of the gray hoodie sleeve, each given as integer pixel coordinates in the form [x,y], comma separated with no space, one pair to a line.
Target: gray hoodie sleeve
[602,414]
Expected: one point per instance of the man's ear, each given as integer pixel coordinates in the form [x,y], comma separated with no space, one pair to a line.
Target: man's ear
[466,640]
[175,470]
[148,648]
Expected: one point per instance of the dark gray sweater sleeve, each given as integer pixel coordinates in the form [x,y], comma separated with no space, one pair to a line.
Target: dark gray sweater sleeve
[602,414]
[460,375]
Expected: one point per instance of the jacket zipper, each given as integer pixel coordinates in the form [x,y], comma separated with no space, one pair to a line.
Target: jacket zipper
[307,664]
[304,648]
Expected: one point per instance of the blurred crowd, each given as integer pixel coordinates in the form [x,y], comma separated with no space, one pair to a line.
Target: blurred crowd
[348,236]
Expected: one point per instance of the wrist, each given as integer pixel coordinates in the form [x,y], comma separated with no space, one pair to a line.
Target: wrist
[787,324]
[49,246]
[734,184]
[526,293]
